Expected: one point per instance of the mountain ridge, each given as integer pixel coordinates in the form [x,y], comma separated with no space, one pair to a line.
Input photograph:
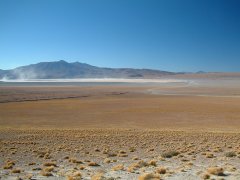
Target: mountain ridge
[62,70]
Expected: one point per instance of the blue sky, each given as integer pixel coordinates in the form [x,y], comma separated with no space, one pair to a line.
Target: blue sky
[174,35]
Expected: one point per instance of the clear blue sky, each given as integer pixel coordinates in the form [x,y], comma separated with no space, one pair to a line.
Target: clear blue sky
[174,35]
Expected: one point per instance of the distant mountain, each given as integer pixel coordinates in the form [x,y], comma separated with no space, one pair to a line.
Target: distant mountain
[63,69]
[201,72]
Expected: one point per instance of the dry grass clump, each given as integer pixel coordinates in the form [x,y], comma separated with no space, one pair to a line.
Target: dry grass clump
[230,154]
[44,173]
[107,160]
[47,156]
[218,171]
[9,164]
[161,170]
[111,154]
[93,164]
[73,160]
[132,149]
[32,164]
[82,167]
[42,154]
[98,176]
[206,176]
[122,153]
[135,158]
[170,154]
[149,176]
[152,163]
[29,176]
[36,169]
[118,167]
[189,163]
[209,155]
[17,170]
[137,165]
[75,176]
[66,157]
[151,149]
[49,169]
[218,149]
[96,150]
[50,164]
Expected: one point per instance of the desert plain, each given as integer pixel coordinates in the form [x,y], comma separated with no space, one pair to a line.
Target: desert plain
[180,130]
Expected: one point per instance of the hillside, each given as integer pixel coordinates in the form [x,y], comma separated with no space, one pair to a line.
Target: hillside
[63,69]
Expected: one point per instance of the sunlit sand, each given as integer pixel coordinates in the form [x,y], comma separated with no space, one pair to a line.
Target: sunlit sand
[174,129]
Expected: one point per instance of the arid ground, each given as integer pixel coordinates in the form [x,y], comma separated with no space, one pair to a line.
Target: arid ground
[187,130]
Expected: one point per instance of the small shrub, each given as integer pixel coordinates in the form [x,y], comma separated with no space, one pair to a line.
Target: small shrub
[49,169]
[107,160]
[82,167]
[152,163]
[44,173]
[98,176]
[75,176]
[230,154]
[93,164]
[209,155]
[218,171]
[32,163]
[149,176]
[206,176]
[118,167]
[16,171]
[50,164]
[170,154]
[161,170]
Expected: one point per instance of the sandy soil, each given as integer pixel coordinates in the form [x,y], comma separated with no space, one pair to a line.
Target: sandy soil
[118,154]
[177,131]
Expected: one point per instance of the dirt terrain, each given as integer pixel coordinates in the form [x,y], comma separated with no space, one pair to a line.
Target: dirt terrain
[118,154]
[178,131]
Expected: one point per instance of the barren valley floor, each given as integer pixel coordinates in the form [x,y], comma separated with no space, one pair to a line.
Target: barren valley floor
[178,131]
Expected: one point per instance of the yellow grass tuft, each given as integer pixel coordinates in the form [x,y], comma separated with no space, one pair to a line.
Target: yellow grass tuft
[98,176]
[82,167]
[149,176]
[209,155]
[73,160]
[93,164]
[118,167]
[50,164]
[9,164]
[161,170]
[107,160]
[218,171]
[230,154]
[44,173]
[206,176]
[170,154]
[49,169]
[152,163]
[16,170]
[75,176]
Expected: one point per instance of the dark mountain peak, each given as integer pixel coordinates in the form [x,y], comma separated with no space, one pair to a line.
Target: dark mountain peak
[62,61]
[201,72]
[53,62]
[77,63]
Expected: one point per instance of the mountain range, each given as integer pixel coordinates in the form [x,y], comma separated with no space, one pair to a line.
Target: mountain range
[64,70]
